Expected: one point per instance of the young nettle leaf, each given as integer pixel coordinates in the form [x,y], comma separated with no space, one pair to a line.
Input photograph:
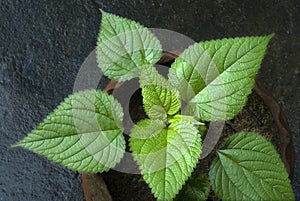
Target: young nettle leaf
[166,156]
[160,98]
[124,46]
[196,189]
[84,133]
[216,77]
[249,168]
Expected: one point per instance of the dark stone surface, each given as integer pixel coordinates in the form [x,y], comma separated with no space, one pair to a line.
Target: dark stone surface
[43,43]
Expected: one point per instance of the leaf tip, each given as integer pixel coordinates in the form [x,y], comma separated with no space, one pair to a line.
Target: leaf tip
[102,11]
[17,144]
[271,35]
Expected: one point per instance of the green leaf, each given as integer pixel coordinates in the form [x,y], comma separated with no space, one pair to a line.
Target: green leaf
[84,133]
[166,155]
[196,189]
[184,74]
[160,98]
[124,46]
[249,168]
[179,117]
[217,76]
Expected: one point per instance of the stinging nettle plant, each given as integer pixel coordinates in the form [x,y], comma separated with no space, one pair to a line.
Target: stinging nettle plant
[210,81]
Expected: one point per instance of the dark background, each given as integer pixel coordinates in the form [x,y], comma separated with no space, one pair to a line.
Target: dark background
[43,43]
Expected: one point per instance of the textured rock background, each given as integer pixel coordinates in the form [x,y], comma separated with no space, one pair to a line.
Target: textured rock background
[43,43]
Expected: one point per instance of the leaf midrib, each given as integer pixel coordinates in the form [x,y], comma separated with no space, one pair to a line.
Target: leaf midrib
[66,136]
[230,65]
[242,167]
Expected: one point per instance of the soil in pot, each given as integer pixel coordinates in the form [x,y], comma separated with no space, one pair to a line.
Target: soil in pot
[255,117]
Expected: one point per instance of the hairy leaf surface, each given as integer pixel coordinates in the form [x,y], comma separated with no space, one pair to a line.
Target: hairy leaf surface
[216,77]
[124,46]
[167,155]
[249,168]
[84,133]
[160,98]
